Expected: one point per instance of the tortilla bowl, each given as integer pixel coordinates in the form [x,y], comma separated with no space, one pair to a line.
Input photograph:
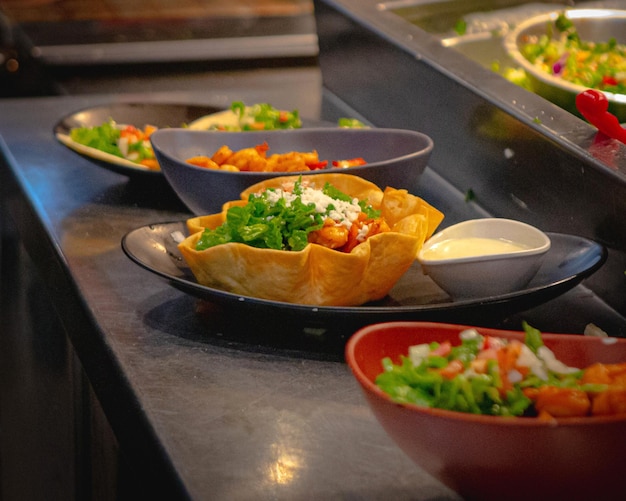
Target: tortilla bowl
[318,275]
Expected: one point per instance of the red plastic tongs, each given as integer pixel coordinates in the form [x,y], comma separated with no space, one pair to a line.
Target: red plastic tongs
[593,105]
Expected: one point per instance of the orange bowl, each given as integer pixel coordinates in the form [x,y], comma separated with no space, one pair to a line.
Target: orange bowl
[494,458]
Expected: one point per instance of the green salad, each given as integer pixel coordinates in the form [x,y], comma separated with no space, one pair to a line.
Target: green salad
[123,141]
[261,116]
[597,65]
[489,376]
[282,220]
[103,137]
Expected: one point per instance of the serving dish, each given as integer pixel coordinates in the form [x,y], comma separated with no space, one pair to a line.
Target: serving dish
[598,25]
[138,114]
[135,113]
[461,262]
[491,457]
[332,239]
[394,157]
[414,297]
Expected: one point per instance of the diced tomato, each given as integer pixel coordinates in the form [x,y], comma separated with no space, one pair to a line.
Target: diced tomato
[443,350]
[608,80]
[261,149]
[493,343]
[150,163]
[148,130]
[488,354]
[352,162]
[131,131]
[524,371]
[510,355]
[454,368]
[317,165]
[479,365]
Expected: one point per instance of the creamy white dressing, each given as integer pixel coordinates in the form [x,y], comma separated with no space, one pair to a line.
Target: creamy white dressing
[455,248]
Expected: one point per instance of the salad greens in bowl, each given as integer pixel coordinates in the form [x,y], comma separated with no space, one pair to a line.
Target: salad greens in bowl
[497,414]
[565,52]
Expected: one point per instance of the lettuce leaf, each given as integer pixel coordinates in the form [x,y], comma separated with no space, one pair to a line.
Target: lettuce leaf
[102,137]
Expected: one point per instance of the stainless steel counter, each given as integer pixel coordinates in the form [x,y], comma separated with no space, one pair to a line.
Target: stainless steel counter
[197,403]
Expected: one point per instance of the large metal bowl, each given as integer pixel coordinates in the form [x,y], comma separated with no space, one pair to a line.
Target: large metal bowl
[597,25]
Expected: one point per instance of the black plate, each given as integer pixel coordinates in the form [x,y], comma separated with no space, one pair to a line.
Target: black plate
[415,296]
[137,114]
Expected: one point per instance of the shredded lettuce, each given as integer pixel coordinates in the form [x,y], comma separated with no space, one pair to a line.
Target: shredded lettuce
[425,383]
[532,337]
[273,224]
[102,137]
[419,385]
[264,116]
[351,123]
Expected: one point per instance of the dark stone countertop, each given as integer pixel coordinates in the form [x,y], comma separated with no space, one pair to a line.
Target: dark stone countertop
[201,406]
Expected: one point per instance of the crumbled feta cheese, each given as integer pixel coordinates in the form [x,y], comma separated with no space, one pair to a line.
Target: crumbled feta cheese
[528,359]
[362,234]
[418,352]
[515,376]
[552,363]
[468,334]
[342,212]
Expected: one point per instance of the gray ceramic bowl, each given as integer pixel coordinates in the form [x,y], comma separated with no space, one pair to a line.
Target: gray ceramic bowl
[595,25]
[395,158]
[481,272]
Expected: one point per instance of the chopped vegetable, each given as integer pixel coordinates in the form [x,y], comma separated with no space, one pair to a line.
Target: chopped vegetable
[103,137]
[352,162]
[460,27]
[125,141]
[133,144]
[500,377]
[256,159]
[351,123]
[262,116]
[285,219]
[597,65]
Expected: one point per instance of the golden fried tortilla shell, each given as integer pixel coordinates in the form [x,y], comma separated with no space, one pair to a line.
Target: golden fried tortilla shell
[199,223]
[318,275]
